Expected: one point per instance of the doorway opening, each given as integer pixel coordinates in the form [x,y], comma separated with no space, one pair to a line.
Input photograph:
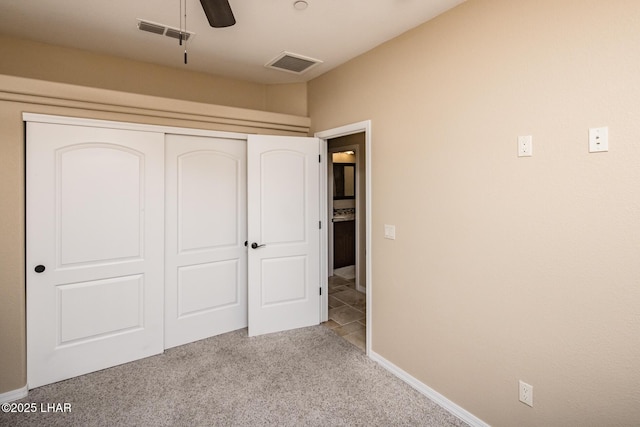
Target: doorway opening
[347,284]
[346,210]
[346,304]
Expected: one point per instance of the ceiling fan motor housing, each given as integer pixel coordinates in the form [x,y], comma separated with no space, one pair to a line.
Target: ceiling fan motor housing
[218,13]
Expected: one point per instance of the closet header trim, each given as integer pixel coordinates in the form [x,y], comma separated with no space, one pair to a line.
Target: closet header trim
[39,92]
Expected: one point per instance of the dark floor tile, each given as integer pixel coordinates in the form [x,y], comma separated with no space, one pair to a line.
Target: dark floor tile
[358,338]
[349,328]
[347,311]
[334,289]
[351,297]
[336,280]
[334,302]
[345,314]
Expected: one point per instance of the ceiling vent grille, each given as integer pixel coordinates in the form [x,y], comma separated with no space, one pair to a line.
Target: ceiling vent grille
[155,28]
[152,28]
[292,63]
[172,32]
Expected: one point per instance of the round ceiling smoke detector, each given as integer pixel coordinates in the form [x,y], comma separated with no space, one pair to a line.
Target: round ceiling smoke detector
[300,5]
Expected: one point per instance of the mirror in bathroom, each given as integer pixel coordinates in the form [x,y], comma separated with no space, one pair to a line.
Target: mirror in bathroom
[344,181]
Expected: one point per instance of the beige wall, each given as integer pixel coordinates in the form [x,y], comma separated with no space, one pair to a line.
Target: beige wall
[18,95]
[59,64]
[12,291]
[287,98]
[506,268]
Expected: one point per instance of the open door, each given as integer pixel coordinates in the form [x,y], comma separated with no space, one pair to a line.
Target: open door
[283,197]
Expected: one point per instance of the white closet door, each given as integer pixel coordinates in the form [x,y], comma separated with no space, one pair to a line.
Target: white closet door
[284,234]
[206,223]
[95,249]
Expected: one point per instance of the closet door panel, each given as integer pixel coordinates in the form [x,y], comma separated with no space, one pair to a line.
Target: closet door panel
[95,248]
[206,260]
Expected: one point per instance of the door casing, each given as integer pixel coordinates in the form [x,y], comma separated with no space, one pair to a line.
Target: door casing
[325,135]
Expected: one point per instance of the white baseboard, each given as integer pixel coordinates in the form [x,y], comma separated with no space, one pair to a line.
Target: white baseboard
[439,399]
[12,395]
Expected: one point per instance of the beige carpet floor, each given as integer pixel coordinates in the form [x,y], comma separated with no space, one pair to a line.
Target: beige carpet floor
[305,377]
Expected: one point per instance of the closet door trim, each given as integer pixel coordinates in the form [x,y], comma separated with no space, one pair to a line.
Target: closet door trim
[76,121]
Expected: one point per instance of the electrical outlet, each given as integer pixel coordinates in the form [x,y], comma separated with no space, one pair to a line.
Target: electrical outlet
[598,140]
[526,393]
[525,146]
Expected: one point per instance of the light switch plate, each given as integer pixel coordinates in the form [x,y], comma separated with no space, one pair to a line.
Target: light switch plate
[390,232]
[598,140]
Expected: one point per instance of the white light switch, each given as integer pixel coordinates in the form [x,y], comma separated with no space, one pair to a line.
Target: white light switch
[390,232]
[598,140]
[525,146]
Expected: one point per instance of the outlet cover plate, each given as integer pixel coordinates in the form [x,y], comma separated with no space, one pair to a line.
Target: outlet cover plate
[598,140]
[525,146]
[526,393]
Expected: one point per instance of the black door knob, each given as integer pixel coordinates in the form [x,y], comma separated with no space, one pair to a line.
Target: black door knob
[254,245]
[40,268]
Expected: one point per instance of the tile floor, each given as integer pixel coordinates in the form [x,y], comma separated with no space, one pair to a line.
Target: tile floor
[347,311]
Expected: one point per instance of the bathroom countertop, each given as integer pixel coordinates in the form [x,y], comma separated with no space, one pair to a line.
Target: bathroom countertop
[343,214]
[342,218]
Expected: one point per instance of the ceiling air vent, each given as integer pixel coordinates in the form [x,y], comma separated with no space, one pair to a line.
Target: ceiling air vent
[172,32]
[292,63]
[155,28]
[152,28]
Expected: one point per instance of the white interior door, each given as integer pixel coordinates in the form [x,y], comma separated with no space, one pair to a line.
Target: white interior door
[206,228]
[95,203]
[284,235]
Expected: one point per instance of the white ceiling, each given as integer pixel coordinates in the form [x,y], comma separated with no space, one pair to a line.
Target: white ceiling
[332,31]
